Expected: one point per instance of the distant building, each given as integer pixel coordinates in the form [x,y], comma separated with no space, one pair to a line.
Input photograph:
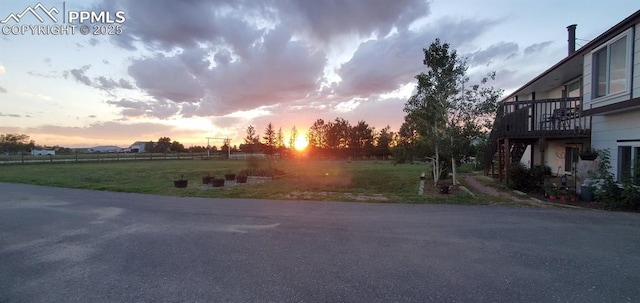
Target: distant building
[105,149]
[138,147]
[43,152]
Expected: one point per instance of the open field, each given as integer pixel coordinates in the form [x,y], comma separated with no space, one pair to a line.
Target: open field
[304,180]
[99,157]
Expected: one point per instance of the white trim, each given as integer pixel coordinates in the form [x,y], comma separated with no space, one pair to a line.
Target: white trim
[632,144]
[628,35]
[606,98]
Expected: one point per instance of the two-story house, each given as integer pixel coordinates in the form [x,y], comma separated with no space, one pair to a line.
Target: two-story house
[590,99]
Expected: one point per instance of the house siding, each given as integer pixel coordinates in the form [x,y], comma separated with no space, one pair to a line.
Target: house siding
[608,129]
[552,156]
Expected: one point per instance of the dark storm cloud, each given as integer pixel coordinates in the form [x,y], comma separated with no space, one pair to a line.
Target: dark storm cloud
[534,48]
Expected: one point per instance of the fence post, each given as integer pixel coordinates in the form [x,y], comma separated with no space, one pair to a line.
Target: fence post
[76,158]
[22,158]
[51,158]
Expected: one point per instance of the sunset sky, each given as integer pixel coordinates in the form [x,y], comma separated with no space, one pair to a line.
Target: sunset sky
[195,69]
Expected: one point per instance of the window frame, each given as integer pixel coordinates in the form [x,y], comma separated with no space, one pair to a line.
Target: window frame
[627,34]
[634,159]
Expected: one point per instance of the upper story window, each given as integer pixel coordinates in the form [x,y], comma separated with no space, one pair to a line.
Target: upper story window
[611,66]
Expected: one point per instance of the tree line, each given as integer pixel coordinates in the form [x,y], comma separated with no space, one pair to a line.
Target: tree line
[331,139]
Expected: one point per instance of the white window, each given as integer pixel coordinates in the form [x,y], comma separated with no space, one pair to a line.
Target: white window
[629,164]
[611,67]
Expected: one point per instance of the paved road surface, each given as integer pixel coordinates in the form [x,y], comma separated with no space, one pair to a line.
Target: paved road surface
[66,245]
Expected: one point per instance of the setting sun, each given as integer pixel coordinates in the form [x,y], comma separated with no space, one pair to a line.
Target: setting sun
[301,143]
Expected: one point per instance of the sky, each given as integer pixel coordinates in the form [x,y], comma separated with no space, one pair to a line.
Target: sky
[194,69]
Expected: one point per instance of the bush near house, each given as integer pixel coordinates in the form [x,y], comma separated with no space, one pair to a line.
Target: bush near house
[612,194]
[525,179]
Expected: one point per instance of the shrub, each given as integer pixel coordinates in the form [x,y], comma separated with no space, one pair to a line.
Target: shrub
[525,179]
[611,193]
[261,167]
[519,177]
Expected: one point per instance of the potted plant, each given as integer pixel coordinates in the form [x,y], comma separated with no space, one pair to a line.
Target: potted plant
[230,177]
[217,182]
[588,154]
[241,178]
[207,179]
[552,193]
[443,187]
[182,183]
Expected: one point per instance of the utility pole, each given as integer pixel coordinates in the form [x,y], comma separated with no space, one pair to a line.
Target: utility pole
[208,147]
[225,141]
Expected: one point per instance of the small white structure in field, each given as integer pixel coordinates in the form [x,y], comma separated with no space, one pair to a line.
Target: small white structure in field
[43,152]
[106,149]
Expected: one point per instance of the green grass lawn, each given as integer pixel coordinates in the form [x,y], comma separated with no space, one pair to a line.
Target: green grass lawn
[304,179]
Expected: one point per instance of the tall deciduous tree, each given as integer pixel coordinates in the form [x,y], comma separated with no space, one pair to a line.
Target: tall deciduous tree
[15,143]
[163,145]
[317,134]
[445,109]
[361,139]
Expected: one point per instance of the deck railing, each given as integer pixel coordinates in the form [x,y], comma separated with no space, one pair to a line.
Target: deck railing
[548,117]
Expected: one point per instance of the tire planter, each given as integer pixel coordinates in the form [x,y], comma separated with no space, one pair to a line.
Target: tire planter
[180,183]
[217,182]
[241,178]
[207,180]
[230,177]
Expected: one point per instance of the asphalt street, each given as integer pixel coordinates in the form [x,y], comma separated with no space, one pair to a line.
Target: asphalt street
[69,245]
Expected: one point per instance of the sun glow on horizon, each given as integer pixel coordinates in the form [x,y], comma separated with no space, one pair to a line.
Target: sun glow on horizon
[301,143]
